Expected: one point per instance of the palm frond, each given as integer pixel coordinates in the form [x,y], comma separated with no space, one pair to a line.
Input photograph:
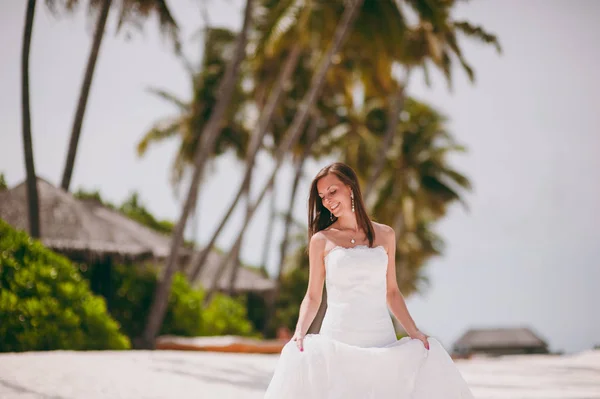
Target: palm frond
[159,132]
[479,33]
[180,104]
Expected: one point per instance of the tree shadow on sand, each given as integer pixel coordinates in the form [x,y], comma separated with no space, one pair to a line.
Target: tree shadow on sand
[243,375]
[25,390]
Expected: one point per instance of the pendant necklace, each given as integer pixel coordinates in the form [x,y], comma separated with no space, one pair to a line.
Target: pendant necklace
[352,240]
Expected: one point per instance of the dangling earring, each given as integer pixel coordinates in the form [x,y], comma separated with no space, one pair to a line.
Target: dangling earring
[352,197]
[331,216]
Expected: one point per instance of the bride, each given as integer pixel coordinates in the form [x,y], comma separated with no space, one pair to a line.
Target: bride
[356,354]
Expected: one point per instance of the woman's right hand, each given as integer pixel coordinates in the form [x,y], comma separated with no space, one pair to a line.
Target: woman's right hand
[299,339]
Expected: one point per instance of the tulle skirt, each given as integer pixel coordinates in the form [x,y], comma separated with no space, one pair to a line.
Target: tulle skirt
[331,369]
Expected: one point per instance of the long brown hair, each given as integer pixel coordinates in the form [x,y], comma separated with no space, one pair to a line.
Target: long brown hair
[319,216]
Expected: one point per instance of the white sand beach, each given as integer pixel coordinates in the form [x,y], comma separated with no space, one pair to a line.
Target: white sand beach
[177,374]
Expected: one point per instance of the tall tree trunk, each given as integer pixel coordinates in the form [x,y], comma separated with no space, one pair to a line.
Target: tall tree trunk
[195,222]
[226,260]
[293,133]
[84,94]
[233,262]
[32,193]
[396,104]
[312,136]
[257,139]
[269,233]
[237,261]
[203,150]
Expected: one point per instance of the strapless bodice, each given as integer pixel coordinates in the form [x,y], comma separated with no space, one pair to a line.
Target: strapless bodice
[357,311]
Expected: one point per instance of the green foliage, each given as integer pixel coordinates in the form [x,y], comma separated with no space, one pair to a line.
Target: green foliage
[93,195]
[44,302]
[257,310]
[293,288]
[130,296]
[134,209]
[227,316]
[3,185]
[293,291]
[188,123]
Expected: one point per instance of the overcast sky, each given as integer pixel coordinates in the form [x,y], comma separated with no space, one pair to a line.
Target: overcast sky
[525,254]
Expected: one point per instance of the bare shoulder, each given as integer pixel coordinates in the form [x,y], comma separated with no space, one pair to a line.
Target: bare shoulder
[382,228]
[317,242]
[386,232]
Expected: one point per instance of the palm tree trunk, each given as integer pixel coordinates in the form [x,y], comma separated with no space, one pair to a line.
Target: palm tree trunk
[269,234]
[293,133]
[195,221]
[32,193]
[237,261]
[396,105]
[228,258]
[202,152]
[312,136]
[257,139]
[84,94]
[234,264]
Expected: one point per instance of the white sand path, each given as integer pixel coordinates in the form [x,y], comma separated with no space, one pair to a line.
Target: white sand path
[182,375]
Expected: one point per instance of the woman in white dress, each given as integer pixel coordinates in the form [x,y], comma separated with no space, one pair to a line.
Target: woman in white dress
[356,354]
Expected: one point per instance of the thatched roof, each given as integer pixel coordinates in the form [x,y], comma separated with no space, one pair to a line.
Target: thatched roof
[77,228]
[248,279]
[499,338]
[159,244]
[86,229]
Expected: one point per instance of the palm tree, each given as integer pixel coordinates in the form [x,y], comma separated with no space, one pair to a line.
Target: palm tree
[297,127]
[130,11]
[204,148]
[236,262]
[299,167]
[274,38]
[418,184]
[269,233]
[32,193]
[84,93]
[282,14]
[432,41]
[193,115]
[257,139]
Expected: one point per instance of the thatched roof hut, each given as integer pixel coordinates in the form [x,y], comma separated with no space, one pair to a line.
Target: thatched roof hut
[500,341]
[159,244]
[86,230]
[70,227]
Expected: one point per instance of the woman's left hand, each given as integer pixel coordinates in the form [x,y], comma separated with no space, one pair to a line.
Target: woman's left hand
[421,337]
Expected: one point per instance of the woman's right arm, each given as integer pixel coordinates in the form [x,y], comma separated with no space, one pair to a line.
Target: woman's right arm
[314,292]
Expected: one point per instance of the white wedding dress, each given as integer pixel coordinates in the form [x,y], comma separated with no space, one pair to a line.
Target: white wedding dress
[356,354]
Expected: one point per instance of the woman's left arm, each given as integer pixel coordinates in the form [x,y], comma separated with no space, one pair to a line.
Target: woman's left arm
[395,299]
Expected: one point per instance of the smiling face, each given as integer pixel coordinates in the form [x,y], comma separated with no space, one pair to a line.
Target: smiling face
[330,191]
[334,194]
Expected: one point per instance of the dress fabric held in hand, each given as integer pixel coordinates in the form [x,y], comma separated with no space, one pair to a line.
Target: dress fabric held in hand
[356,354]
